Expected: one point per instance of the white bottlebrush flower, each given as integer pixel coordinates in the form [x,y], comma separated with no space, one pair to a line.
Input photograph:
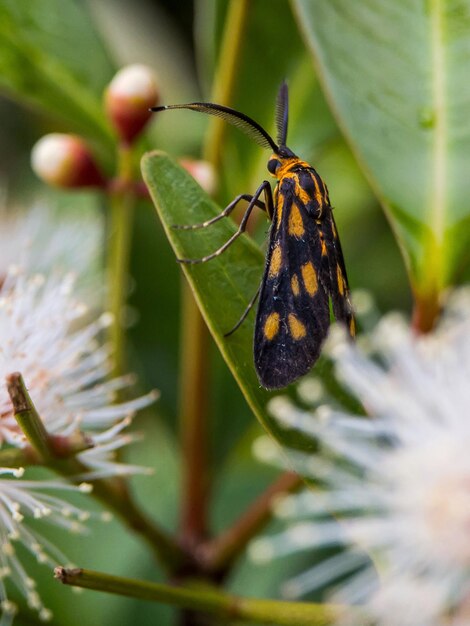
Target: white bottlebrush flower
[20,501]
[394,497]
[44,240]
[64,366]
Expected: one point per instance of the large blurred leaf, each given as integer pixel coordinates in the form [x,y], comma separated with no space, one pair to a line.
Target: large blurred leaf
[223,286]
[51,58]
[396,75]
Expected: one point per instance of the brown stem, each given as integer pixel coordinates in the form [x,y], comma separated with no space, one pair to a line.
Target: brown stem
[194,387]
[426,311]
[220,553]
[194,390]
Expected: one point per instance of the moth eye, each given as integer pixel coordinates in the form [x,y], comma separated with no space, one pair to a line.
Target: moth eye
[273,165]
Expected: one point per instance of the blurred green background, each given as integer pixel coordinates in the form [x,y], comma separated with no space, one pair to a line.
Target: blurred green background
[56,57]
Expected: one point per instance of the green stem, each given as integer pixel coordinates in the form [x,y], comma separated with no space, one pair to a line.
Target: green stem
[60,448]
[224,606]
[19,457]
[27,417]
[122,201]
[225,77]
[295,613]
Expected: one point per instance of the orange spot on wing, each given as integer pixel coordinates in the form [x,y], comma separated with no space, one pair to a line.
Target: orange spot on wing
[309,276]
[296,225]
[324,251]
[279,204]
[352,327]
[339,276]
[297,329]
[271,326]
[295,285]
[276,261]
[318,194]
[335,234]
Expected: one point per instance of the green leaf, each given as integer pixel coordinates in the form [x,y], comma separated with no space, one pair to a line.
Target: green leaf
[396,76]
[223,286]
[51,58]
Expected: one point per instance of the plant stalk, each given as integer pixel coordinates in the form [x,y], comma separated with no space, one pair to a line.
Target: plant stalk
[194,386]
[226,607]
[122,203]
[27,417]
[194,392]
[225,78]
[426,311]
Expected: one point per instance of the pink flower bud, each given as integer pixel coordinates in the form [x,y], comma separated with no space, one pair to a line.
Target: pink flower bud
[65,161]
[203,172]
[128,98]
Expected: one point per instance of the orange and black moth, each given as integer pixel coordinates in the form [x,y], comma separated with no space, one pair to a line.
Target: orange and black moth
[304,274]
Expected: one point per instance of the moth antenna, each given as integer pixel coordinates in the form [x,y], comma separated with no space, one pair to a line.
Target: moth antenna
[282,114]
[240,120]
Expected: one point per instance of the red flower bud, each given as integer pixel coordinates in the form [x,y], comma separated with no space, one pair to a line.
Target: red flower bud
[65,161]
[203,172]
[128,98]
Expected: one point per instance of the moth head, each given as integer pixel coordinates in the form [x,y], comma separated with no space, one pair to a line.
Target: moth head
[279,159]
[274,164]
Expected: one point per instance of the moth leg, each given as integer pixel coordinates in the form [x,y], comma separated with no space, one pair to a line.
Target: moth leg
[253,202]
[228,209]
[268,200]
[269,208]
[245,313]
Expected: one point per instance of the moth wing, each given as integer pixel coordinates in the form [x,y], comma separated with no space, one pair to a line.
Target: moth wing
[337,279]
[293,312]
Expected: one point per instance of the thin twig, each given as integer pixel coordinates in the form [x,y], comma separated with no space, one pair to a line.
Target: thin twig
[122,200]
[225,78]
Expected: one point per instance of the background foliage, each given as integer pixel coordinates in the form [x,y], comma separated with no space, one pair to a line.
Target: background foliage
[407,130]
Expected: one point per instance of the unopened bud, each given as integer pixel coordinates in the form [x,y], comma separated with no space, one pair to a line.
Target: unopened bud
[128,98]
[65,161]
[203,172]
